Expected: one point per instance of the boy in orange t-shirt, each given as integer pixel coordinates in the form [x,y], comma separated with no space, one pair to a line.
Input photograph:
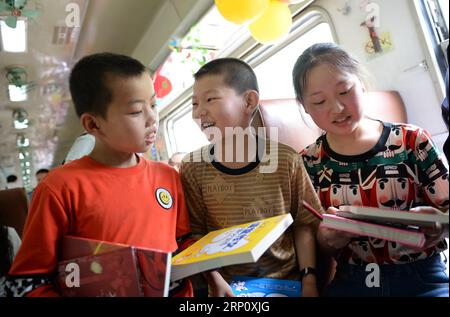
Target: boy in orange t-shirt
[113,194]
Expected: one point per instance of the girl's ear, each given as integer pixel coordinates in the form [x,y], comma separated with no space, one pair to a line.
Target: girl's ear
[251,101]
[90,123]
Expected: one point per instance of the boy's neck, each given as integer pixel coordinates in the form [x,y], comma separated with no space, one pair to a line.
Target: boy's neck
[242,154]
[364,138]
[113,158]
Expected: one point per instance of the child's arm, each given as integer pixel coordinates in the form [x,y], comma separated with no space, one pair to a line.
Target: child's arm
[198,214]
[433,178]
[433,172]
[194,200]
[305,226]
[34,269]
[219,287]
[305,244]
[183,232]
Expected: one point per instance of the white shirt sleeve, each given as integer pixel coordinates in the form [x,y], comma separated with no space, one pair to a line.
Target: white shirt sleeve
[15,240]
[82,146]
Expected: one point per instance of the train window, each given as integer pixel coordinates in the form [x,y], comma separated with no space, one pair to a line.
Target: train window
[200,45]
[311,26]
[435,23]
[185,135]
[275,73]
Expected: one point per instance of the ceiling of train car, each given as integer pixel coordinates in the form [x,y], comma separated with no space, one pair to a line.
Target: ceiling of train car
[106,25]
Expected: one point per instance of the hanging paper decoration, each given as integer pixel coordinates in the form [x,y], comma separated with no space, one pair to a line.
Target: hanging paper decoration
[241,11]
[346,9]
[16,9]
[175,44]
[16,76]
[162,85]
[275,22]
[373,35]
[191,51]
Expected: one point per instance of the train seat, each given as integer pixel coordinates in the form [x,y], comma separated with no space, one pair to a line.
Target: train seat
[296,129]
[13,208]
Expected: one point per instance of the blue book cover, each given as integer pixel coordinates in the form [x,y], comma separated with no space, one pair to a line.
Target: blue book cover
[244,286]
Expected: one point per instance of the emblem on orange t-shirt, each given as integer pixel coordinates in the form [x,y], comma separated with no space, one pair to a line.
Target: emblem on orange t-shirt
[164,198]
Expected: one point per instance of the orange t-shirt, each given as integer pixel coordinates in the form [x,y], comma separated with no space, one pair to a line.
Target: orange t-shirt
[142,206]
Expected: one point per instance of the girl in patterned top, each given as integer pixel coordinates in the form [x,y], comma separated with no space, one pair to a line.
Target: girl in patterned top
[365,162]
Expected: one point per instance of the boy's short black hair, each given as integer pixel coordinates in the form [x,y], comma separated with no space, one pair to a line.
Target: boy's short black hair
[11,178]
[42,170]
[236,74]
[88,80]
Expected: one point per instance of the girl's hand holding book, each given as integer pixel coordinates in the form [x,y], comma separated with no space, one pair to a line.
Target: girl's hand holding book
[333,239]
[432,234]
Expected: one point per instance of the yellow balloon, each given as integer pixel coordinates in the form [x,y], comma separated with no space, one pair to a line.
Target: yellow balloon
[275,22]
[290,1]
[241,11]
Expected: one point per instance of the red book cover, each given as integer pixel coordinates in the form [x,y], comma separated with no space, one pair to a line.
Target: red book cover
[112,269]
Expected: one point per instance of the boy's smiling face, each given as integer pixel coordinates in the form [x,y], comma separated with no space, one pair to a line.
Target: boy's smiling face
[215,105]
[131,121]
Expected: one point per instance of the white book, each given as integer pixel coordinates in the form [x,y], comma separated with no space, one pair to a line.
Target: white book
[393,216]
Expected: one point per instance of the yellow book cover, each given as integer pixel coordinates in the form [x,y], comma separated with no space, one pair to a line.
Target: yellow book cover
[243,243]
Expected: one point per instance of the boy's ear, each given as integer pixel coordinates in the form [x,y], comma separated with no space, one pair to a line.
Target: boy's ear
[89,123]
[251,101]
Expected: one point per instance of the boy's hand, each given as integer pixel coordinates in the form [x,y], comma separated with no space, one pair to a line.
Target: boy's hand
[309,286]
[331,239]
[432,234]
[219,287]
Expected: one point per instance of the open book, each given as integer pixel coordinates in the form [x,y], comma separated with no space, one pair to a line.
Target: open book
[392,216]
[410,238]
[238,244]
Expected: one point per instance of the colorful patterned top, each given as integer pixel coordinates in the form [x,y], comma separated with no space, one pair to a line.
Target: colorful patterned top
[401,171]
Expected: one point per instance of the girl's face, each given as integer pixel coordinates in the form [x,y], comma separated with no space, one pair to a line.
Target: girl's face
[334,99]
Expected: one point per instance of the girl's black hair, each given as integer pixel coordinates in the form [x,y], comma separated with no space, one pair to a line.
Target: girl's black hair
[328,53]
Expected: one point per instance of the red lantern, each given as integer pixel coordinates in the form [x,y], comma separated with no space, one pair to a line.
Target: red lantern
[163,86]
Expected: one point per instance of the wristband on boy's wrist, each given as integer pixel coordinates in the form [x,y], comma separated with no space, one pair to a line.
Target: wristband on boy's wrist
[306,271]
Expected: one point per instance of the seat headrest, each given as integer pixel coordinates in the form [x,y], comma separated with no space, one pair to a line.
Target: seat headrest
[13,208]
[296,129]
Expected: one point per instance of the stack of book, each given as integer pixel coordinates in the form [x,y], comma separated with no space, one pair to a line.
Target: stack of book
[90,267]
[386,224]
